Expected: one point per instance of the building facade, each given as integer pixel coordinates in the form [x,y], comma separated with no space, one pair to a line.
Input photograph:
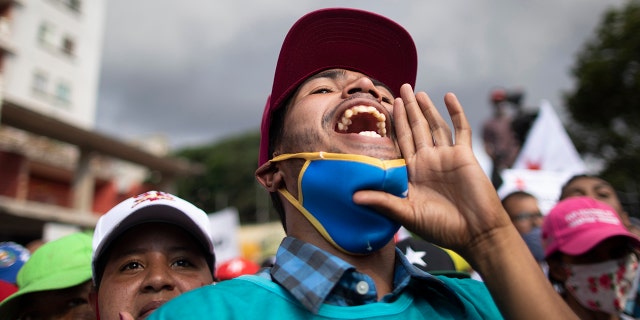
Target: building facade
[54,168]
[55,66]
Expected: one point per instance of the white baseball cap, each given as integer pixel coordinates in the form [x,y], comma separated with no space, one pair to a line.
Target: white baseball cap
[151,206]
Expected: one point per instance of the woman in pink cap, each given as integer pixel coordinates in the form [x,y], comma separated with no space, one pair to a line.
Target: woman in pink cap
[599,189]
[592,257]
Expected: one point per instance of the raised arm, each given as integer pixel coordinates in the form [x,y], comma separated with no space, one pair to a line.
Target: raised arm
[452,203]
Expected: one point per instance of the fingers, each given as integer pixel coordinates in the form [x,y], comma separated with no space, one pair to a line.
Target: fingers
[419,124]
[437,125]
[415,118]
[459,120]
[125,316]
[402,129]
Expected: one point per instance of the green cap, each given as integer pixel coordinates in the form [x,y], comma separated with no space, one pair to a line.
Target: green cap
[59,264]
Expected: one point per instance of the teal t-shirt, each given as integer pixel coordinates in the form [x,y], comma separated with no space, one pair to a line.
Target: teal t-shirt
[254,297]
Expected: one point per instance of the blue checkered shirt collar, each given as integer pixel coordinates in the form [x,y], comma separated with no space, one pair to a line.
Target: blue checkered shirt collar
[313,277]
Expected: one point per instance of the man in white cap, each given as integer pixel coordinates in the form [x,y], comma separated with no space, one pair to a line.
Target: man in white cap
[147,250]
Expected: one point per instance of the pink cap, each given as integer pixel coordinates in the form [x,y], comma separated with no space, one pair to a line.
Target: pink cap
[577,224]
[339,38]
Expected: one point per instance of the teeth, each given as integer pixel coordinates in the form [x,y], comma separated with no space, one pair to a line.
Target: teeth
[370,134]
[345,121]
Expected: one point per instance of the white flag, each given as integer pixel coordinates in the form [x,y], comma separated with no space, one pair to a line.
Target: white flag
[544,185]
[548,147]
[224,232]
[546,161]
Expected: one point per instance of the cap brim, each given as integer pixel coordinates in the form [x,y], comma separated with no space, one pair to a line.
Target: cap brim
[340,38]
[585,240]
[71,279]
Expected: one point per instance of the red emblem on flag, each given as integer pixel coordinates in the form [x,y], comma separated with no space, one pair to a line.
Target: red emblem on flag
[533,165]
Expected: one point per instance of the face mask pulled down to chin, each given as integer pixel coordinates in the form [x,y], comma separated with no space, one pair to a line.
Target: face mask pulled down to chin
[326,184]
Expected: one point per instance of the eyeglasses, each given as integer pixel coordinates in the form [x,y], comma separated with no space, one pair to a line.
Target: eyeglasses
[527,216]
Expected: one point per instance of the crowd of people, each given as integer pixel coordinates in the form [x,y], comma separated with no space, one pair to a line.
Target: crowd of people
[350,153]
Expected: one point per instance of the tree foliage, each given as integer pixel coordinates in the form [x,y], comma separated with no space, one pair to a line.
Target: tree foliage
[229,179]
[605,105]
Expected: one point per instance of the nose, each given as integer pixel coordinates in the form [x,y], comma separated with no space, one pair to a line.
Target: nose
[362,85]
[158,278]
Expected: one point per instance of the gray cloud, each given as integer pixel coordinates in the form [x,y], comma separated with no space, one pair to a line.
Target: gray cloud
[200,70]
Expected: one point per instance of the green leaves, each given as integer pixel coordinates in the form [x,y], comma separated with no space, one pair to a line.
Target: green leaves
[229,179]
[604,107]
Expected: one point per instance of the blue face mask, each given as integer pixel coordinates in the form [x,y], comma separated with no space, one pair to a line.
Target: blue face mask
[326,185]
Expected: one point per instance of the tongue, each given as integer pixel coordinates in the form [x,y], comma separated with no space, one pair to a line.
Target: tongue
[362,122]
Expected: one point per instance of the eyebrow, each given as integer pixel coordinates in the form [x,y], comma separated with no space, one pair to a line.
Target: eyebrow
[144,250]
[598,186]
[603,184]
[335,74]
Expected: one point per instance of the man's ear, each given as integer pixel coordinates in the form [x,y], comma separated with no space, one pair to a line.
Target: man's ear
[270,177]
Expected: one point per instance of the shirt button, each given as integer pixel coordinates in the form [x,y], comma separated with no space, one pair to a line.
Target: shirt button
[362,287]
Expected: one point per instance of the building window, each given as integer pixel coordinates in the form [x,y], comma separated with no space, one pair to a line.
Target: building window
[63,93]
[40,82]
[45,33]
[74,5]
[68,46]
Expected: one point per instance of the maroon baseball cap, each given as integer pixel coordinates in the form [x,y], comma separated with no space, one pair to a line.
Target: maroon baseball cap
[339,38]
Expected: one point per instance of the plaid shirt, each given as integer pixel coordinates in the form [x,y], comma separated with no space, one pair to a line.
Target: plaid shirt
[314,277]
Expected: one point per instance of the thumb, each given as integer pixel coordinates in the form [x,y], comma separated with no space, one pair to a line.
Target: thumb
[385,203]
[125,316]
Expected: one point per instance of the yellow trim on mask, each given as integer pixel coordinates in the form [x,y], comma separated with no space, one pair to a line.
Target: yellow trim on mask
[384,164]
[311,219]
[310,156]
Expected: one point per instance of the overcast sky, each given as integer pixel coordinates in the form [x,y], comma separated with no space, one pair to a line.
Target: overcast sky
[197,71]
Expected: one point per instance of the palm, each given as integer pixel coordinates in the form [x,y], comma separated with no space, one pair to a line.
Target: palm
[451,201]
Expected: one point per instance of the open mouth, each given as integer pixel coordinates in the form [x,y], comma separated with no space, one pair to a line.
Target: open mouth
[363,120]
